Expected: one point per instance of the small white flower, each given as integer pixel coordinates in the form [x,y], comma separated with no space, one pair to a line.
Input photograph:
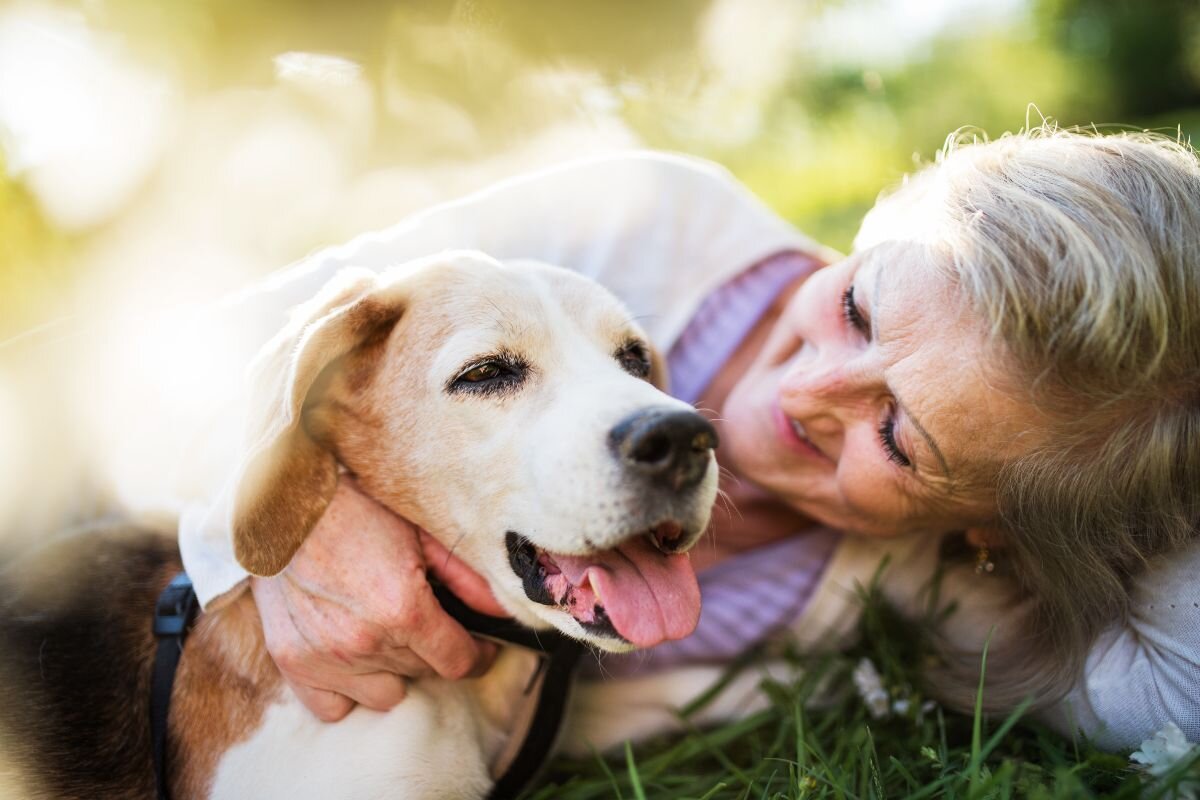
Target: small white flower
[901,706]
[1164,750]
[1161,752]
[870,689]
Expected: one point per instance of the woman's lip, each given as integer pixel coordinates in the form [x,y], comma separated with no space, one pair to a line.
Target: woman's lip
[792,439]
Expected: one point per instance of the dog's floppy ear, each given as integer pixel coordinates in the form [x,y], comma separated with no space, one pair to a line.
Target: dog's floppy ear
[287,479]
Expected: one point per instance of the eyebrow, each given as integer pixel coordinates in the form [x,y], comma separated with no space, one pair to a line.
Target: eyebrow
[911,417]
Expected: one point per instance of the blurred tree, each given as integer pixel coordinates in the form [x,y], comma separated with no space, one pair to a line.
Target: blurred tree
[1146,50]
[814,132]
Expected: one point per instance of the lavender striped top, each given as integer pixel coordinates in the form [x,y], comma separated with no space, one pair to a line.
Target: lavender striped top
[756,593]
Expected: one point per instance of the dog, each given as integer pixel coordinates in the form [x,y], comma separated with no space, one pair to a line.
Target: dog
[512,409]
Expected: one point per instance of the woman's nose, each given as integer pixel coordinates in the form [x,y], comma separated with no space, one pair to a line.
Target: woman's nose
[829,374]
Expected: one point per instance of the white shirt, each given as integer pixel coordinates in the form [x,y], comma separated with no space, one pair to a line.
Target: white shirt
[659,231]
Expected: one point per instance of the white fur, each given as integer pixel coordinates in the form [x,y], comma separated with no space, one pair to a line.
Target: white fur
[427,747]
[440,742]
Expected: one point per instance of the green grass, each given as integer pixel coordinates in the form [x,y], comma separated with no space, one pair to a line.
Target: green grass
[799,748]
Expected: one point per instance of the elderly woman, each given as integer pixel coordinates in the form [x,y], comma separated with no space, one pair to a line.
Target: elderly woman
[1001,384]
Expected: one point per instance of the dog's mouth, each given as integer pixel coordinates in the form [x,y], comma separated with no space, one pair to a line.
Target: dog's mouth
[639,592]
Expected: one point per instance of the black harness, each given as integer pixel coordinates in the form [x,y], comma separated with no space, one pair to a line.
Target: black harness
[176,611]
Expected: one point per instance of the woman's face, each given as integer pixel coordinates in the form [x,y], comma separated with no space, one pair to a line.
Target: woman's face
[873,405]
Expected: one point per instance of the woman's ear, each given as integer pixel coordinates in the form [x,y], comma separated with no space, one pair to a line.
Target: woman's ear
[984,537]
[287,478]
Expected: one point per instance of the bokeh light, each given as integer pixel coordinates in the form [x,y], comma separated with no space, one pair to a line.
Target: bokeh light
[154,156]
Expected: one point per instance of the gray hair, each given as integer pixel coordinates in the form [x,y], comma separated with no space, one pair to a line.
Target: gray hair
[1081,254]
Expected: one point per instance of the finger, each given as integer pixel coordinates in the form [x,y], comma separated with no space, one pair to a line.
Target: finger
[378,690]
[445,645]
[398,660]
[325,705]
[402,661]
[470,587]
[415,667]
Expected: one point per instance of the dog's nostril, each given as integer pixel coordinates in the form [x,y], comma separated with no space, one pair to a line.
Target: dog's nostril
[667,446]
[651,449]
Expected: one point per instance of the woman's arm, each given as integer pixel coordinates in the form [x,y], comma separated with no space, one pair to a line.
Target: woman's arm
[647,226]
[614,219]
[353,612]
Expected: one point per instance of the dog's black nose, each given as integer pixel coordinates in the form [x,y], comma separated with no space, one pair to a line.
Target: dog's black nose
[669,447]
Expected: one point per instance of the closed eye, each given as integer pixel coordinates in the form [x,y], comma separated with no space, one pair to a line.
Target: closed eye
[852,313]
[887,438]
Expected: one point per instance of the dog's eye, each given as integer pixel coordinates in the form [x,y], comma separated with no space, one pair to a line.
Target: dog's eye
[495,374]
[484,372]
[634,358]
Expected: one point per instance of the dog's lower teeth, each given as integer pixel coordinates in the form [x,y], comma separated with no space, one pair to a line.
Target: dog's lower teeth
[667,536]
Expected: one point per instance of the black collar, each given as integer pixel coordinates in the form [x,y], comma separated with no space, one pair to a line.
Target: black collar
[177,607]
[561,653]
[173,615]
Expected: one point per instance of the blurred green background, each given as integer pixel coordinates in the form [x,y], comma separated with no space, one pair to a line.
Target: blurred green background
[817,106]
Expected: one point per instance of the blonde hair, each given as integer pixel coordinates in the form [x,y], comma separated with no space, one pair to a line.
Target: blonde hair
[1081,254]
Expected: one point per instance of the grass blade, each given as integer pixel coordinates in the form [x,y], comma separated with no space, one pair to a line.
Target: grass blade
[634,779]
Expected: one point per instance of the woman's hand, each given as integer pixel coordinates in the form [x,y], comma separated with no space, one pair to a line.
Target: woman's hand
[353,616]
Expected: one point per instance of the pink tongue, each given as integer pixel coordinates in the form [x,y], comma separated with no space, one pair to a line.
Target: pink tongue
[649,596]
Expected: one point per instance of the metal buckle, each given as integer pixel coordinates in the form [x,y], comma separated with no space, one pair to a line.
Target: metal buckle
[175,608]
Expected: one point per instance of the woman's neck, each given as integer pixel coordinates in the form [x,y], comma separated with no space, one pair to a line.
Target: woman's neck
[746,516]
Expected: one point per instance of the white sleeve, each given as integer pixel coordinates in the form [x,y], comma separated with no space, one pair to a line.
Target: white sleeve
[1145,673]
[641,223]
[651,227]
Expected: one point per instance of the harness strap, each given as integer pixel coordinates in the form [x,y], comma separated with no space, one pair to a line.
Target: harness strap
[562,654]
[545,725]
[173,615]
[177,607]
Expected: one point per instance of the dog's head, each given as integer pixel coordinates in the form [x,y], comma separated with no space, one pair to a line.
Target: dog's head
[511,410]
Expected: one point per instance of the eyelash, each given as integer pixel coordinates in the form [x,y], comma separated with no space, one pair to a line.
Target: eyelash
[887,438]
[850,312]
[887,428]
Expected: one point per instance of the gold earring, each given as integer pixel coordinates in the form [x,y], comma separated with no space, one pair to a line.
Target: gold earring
[983,561]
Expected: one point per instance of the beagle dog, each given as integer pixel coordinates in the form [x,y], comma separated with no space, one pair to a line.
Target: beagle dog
[511,409]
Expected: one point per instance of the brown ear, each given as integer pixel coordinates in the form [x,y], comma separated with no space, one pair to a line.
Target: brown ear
[287,479]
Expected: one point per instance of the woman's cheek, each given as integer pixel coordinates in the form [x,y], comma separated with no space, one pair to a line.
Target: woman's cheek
[872,504]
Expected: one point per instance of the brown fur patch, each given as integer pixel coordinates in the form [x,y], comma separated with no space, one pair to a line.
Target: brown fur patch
[76,653]
[225,681]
